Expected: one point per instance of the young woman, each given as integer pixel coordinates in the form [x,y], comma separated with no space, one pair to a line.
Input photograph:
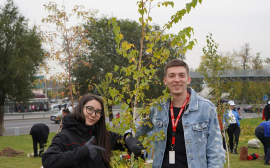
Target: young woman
[232,117]
[84,140]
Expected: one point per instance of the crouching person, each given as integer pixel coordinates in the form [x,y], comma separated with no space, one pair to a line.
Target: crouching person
[262,132]
[40,133]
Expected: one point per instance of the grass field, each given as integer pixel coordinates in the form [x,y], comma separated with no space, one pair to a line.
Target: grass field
[24,142]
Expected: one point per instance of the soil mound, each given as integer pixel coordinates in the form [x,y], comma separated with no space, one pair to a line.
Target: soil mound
[10,152]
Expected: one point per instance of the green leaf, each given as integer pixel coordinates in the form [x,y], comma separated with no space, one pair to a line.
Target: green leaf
[188,6]
[141,11]
[194,3]
[116,68]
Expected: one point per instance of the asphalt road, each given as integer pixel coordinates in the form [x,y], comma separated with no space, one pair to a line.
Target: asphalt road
[25,125]
[11,122]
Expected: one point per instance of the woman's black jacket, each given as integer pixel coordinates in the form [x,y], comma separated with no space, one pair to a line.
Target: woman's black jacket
[68,150]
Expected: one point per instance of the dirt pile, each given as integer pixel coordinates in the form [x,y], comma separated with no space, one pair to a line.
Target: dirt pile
[10,152]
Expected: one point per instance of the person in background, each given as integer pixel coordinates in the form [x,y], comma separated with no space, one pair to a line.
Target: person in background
[45,107]
[15,107]
[65,112]
[29,108]
[231,119]
[84,140]
[117,115]
[40,133]
[262,132]
[33,107]
[19,108]
[267,111]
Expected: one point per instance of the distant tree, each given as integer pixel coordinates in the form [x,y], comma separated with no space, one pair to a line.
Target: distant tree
[267,61]
[212,68]
[245,56]
[20,54]
[73,42]
[257,62]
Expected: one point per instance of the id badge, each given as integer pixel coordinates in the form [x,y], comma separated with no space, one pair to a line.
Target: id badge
[171,157]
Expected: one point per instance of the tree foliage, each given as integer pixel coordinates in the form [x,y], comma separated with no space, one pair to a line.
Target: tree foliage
[211,68]
[247,91]
[103,55]
[66,42]
[20,53]
[136,77]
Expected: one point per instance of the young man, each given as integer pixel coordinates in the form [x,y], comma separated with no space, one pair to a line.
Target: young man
[189,122]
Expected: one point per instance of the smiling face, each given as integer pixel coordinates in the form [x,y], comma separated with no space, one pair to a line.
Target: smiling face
[177,80]
[91,119]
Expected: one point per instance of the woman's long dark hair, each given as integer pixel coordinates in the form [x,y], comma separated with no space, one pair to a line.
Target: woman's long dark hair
[103,135]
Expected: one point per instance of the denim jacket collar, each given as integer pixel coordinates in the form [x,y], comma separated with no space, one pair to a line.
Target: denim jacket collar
[193,103]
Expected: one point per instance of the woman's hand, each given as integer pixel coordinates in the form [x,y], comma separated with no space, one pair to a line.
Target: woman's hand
[134,145]
[92,148]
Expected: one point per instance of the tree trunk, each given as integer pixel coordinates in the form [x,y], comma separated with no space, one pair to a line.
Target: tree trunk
[1,118]
[110,113]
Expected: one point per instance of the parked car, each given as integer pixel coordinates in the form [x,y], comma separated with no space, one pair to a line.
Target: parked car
[252,108]
[53,100]
[55,107]
[56,117]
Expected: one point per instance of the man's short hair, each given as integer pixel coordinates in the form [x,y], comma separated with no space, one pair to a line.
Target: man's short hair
[176,62]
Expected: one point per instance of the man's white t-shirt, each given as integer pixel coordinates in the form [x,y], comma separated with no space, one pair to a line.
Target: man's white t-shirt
[232,118]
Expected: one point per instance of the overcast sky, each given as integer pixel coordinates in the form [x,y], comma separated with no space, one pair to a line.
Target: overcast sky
[232,22]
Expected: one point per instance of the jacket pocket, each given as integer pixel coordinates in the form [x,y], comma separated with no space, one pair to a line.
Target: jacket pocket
[158,122]
[200,133]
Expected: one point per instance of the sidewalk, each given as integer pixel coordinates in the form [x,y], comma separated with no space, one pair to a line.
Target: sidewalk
[32,115]
[27,115]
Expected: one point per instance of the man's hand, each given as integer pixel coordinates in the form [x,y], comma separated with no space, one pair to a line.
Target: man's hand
[92,148]
[134,145]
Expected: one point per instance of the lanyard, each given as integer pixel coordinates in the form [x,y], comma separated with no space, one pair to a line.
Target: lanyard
[174,124]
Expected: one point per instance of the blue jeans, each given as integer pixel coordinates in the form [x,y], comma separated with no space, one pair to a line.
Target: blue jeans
[259,132]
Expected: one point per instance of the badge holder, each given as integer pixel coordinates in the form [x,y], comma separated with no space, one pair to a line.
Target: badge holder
[172,156]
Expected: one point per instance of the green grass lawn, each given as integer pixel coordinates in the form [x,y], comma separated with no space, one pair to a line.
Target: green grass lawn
[24,142]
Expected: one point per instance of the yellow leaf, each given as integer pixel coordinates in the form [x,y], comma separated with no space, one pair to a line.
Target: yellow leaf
[128,46]
[149,50]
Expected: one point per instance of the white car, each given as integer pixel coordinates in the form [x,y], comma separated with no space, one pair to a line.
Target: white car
[53,101]
[59,115]
[55,107]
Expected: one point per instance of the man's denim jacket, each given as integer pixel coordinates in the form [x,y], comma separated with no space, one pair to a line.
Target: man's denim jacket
[201,130]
